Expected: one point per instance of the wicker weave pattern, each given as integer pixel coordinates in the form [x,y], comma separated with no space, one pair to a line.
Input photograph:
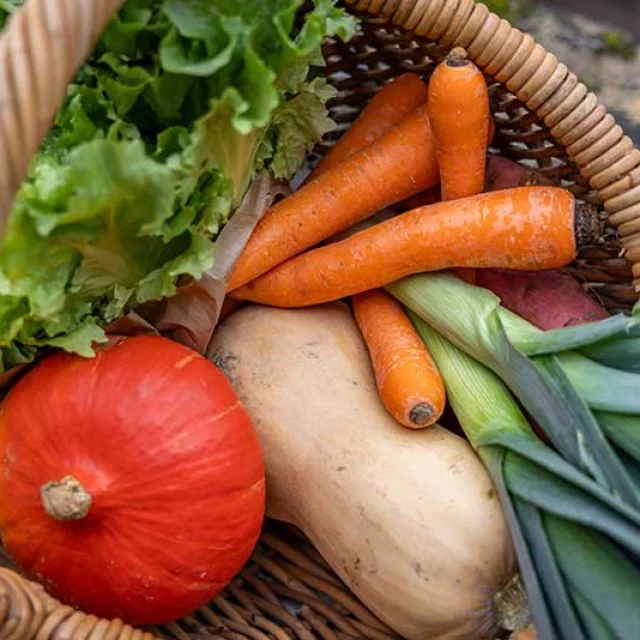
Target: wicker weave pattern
[27,612]
[603,154]
[543,114]
[382,51]
[40,52]
[256,606]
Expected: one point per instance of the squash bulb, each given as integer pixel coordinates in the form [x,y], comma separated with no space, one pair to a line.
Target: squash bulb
[409,519]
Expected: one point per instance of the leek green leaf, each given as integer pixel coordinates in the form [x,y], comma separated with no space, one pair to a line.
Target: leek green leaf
[582,553]
[493,458]
[622,429]
[556,594]
[552,494]
[623,354]
[597,627]
[533,483]
[531,341]
[592,439]
[602,387]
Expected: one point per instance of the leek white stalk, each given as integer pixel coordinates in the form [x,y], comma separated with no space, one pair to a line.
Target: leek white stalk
[471,318]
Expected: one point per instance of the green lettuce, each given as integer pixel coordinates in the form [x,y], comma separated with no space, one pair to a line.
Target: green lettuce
[161,133]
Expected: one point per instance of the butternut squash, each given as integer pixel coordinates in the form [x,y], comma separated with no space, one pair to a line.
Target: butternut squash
[408,519]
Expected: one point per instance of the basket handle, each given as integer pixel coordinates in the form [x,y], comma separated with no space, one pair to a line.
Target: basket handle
[41,50]
[593,141]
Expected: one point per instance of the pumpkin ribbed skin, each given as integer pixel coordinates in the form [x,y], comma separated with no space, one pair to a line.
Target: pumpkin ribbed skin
[158,438]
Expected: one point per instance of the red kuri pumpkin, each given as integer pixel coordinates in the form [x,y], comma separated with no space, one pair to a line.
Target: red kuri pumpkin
[131,483]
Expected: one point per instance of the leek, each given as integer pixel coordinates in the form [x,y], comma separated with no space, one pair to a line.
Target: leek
[532,341]
[621,354]
[573,540]
[472,319]
[623,430]
[600,386]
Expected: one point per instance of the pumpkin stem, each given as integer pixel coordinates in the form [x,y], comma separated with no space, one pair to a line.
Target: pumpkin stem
[65,499]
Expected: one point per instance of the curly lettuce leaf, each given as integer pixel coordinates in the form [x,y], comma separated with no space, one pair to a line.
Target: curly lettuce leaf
[93,236]
[297,125]
[162,131]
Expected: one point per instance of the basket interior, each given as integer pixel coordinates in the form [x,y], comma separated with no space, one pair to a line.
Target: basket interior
[380,52]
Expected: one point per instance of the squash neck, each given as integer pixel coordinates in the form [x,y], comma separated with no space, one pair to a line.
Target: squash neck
[65,499]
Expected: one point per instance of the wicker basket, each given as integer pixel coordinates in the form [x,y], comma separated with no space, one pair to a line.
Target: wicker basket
[544,116]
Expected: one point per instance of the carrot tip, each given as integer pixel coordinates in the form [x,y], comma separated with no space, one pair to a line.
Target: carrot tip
[457,57]
[421,414]
[586,223]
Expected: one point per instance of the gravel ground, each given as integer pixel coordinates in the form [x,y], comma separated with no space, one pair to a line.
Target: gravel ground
[575,39]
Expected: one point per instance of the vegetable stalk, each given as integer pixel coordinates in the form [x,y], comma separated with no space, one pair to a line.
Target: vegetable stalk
[471,318]
[560,518]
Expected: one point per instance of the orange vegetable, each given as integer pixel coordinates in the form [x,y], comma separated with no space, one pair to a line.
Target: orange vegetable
[526,228]
[408,381]
[460,117]
[397,166]
[388,107]
[459,113]
[409,384]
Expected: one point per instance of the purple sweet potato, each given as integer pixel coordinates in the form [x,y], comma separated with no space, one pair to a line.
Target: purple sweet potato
[503,173]
[547,299]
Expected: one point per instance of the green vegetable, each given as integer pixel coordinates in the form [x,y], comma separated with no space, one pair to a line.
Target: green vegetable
[623,430]
[471,318]
[532,341]
[181,105]
[621,393]
[621,354]
[577,544]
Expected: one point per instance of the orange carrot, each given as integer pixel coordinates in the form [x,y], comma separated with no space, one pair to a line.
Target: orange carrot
[460,117]
[459,113]
[496,167]
[409,383]
[526,228]
[388,107]
[397,166]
